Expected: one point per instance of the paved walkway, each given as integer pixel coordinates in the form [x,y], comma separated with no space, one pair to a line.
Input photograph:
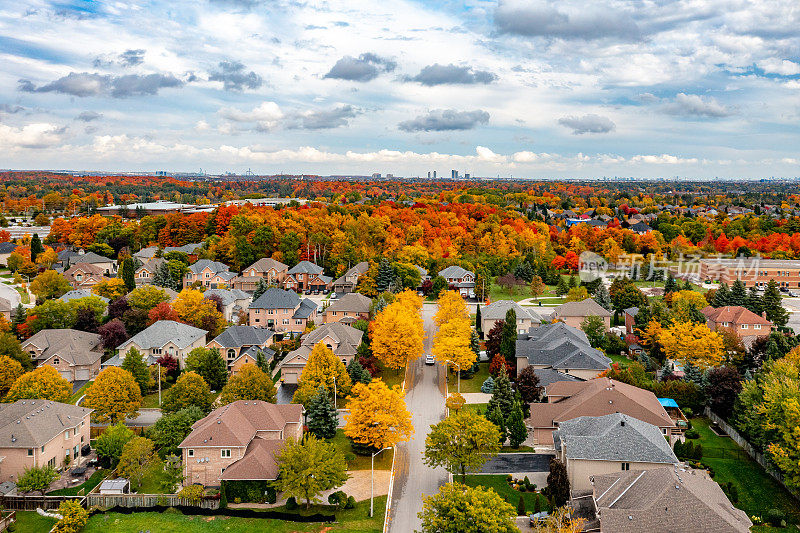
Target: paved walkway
[475,397]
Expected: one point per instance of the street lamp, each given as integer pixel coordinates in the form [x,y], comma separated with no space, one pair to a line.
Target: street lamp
[334,392]
[372,485]
[459,373]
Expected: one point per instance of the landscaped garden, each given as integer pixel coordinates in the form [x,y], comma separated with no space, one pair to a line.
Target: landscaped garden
[471,384]
[500,484]
[95,479]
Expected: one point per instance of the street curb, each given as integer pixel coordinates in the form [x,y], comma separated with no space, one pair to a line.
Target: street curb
[391,478]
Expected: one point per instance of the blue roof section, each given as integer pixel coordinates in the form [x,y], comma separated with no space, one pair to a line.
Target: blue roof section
[668,402]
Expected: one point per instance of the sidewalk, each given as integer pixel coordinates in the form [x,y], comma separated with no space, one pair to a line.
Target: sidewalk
[476,397]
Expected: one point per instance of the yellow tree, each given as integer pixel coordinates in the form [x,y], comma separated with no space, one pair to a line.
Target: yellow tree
[452,342]
[451,306]
[50,284]
[378,416]
[198,311]
[320,370]
[112,288]
[688,342]
[45,382]
[684,301]
[10,370]
[411,300]
[397,335]
[114,396]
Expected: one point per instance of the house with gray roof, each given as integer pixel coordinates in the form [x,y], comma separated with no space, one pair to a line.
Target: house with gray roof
[37,433]
[234,301]
[305,276]
[461,279]
[75,354]
[68,258]
[343,340]
[6,249]
[78,294]
[282,311]
[574,313]
[238,341]
[165,337]
[208,273]
[147,271]
[347,309]
[596,445]
[527,318]
[266,268]
[561,349]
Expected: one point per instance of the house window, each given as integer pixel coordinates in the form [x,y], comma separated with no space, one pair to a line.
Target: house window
[30,452]
[78,277]
[745,326]
[270,311]
[756,326]
[66,453]
[56,361]
[156,351]
[190,452]
[231,353]
[333,313]
[225,454]
[298,322]
[626,466]
[285,321]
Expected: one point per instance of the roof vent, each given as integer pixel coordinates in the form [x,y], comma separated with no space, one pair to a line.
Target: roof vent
[622,423]
[219,422]
[609,401]
[630,517]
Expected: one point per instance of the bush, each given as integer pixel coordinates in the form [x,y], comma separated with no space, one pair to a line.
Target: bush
[291,504]
[775,517]
[193,493]
[349,457]
[692,434]
[351,503]
[488,386]
[688,412]
[521,507]
[338,499]
[272,495]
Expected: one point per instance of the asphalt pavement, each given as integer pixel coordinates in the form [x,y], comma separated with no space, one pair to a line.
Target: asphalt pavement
[510,463]
[425,401]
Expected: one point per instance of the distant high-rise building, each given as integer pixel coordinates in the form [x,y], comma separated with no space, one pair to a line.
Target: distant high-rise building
[434,174]
[429,174]
[376,175]
[454,174]
[466,175]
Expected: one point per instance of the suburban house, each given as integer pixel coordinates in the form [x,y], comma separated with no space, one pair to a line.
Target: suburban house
[747,325]
[347,309]
[265,268]
[165,337]
[343,340]
[75,354]
[78,294]
[496,311]
[37,433]
[144,274]
[84,275]
[238,342]
[107,266]
[566,400]
[306,276]
[347,283]
[573,313]
[641,228]
[239,442]
[596,445]
[145,254]
[460,279]
[208,273]
[282,311]
[629,315]
[665,499]
[6,249]
[6,308]
[234,301]
[559,352]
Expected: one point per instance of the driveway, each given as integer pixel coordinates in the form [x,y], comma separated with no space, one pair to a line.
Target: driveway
[425,400]
[147,417]
[511,463]
[76,385]
[285,393]
[10,294]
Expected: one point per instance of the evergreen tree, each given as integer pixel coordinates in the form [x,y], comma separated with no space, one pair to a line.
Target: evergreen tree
[386,276]
[670,285]
[478,320]
[558,483]
[18,319]
[503,395]
[561,287]
[773,351]
[128,274]
[357,373]
[666,371]
[162,277]
[772,305]
[36,247]
[261,361]
[602,297]
[134,363]
[508,338]
[261,288]
[496,417]
[694,375]
[754,301]
[687,286]
[723,295]
[573,281]
[322,417]
[738,293]
[517,432]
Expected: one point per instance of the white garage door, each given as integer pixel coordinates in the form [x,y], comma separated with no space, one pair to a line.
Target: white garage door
[66,374]
[290,378]
[84,374]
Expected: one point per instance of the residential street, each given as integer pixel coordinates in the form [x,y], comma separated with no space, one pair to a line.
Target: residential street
[425,401]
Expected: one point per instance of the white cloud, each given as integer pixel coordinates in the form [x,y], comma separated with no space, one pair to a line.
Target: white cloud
[784,67]
[663,159]
[36,135]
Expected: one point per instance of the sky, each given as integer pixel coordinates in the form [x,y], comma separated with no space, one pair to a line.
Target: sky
[509,88]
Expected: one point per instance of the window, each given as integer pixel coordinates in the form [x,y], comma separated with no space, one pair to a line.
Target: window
[626,466]
[66,435]
[56,361]
[333,313]
[231,353]
[67,453]
[207,275]
[190,452]
[270,311]
[156,351]
[298,322]
[745,326]
[225,454]
[30,452]
[78,277]
[285,321]
[756,326]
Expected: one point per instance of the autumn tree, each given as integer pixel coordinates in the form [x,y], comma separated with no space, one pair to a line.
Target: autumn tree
[308,467]
[10,371]
[113,333]
[397,335]
[537,287]
[527,385]
[162,311]
[685,304]
[114,396]
[36,479]
[457,508]
[723,387]
[378,416]
[450,306]
[462,442]
[249,383]
[190,389]
[138,456]
[200,312]
[112,288]
[577,294]
[693,343]
[134,363]
[321,369]
[147,297]
[43,383]
[50,284]
[211,366]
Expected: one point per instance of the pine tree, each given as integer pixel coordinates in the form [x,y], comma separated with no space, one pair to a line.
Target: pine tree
[358,374]
[754,303]
[261,361]
[478,320]
[503,395]
[508,338]
[573,282]
[666,371]
[496,417]
[602,297]
[723,295]
[517,432]
[772,305]
[561,287]
[128,274]
[322,417]
[687,286]
[18,319]
[261,288]
[134,363]
[521,507]
[36,247]
[558,483]
[386,276]
[694,374]
[161,277]
[738,293]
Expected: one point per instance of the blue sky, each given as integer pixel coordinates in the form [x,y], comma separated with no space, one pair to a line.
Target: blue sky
[642,88]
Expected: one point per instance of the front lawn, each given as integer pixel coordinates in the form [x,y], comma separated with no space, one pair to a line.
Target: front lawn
[758,492]
[23,295]
[472,384]
[96,478]
[479,408]
[498,483]
[390,376]
[31,522]
[80,392]
[496,292]
[383,461]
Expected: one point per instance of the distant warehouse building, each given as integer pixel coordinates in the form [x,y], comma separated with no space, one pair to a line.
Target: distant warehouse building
[753,271]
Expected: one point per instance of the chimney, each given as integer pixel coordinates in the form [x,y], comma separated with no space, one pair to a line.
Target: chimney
[764,315]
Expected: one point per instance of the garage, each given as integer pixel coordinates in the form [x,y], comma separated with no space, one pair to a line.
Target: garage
[83,374]
[290,377]
[66,374]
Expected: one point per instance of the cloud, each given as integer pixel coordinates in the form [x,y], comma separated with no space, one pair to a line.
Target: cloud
[445,120]
[783,67]
[322,119]
[11,109]
[88,116]
[544,19]
[234,78]
[587,124]
[268,116]
[38,135]
[437,74]
[131,58]
[696,105]
[364,68]
[663,159]
[83,84]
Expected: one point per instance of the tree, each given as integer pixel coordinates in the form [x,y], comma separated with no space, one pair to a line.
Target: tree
[43,383]
[537,287]
[558,483]
[577,294]
[170,430]
[397,335]
[73,517]
[771,303]
[147,297]
[508,338]
[527,385]
[451,306]
[684,302]
[208,362]
[249,383]
[692,343]
[114,396]
[37,479]
[52,314]
[113,333]
[561,286]
[190,389]
[462,442]
[357,373]
[595,330]
[50,284]
[136,459]
[135,364]
[494,338]
[386,277]
[118,307]
[321,369]
[321,416]
[127,273]
[113,289]
[603,298]
[560,520]
[10,370]
[162,311]
[670,285]
[754,302]
[496,417]
[308,467]
[453,342]
[93,303]
[457,508]
[438,284]
[738,293]
[112,440]
[378,416]
[198,311]
[723,388]
[625,294]
[503,396]
[517,432]
[36,247]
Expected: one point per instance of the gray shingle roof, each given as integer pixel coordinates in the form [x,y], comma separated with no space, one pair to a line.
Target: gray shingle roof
[228,296]
[613,437]
[33,423]
[497,311]
[352,301]
[560,347]
[548,376]
[78,348]
[266,263]
[162,332]
[237,336]
[274,298]
[305,267]
[454,271]
[7,247]
[81,293]
[215,266]
[307,307]
[347,337]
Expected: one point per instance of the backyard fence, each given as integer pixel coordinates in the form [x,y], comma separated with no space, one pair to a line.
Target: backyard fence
[31,503]
[147,500]
[724,453]
[7,519]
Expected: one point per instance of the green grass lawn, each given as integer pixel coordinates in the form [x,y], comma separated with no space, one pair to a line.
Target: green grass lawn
[95,479]
[479,408]
[152,479]
[498,483]
[621,359]
[391,376]
[150,401]
[31,522]
[23,295]
[383,461]
[80,392]
[496,292]
[758,492]
[472,384]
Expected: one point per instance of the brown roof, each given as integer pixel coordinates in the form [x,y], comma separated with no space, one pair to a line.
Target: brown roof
[86,268]
[78,348]
[587,307]
[734,314]
[260,461]
[266,263]
[33,423]
[665,499]
[237,423]
[353,301]
[597,397]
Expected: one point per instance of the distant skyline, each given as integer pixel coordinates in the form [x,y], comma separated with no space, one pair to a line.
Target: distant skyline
[692,88]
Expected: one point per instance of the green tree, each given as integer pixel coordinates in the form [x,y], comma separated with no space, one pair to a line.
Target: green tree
[135,364]
[10,347]
[738,293]
[508,338]
[51,314]
[358,374]
[561,287]
[321,416]
[771,303]
[503,396]
[495,416]
[36,247]
[517,432]
[670,285]
[170,430]
[723,295]
[146,297]
[754,303]
[36,479]
[478,319]
[261,288]
[462,442]
[603,298]
[558,483]
[308,467]
[459,509]
[127,273]
[111,441]
[136,459]
[386,276]
[73,517]
[208,362]
[438,285]
[190,389]
[595,330]
[50,284]
[249,383]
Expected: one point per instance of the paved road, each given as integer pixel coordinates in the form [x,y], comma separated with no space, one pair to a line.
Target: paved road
[9,294]
[510,463]
[425,401]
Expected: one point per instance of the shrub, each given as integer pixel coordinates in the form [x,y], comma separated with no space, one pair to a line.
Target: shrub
[692,434]
[338,499]
[351,503]
[272,495]
[521,507]
[74,517]
[775,517]
[688,412]
[291,504]
[193,493]
[488,385]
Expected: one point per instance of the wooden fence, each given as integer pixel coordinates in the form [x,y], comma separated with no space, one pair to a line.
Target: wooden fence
[146,500]
[7,519]
[31,503]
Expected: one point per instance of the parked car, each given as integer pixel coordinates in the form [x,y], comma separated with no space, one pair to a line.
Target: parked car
[429,360]
[538,518]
